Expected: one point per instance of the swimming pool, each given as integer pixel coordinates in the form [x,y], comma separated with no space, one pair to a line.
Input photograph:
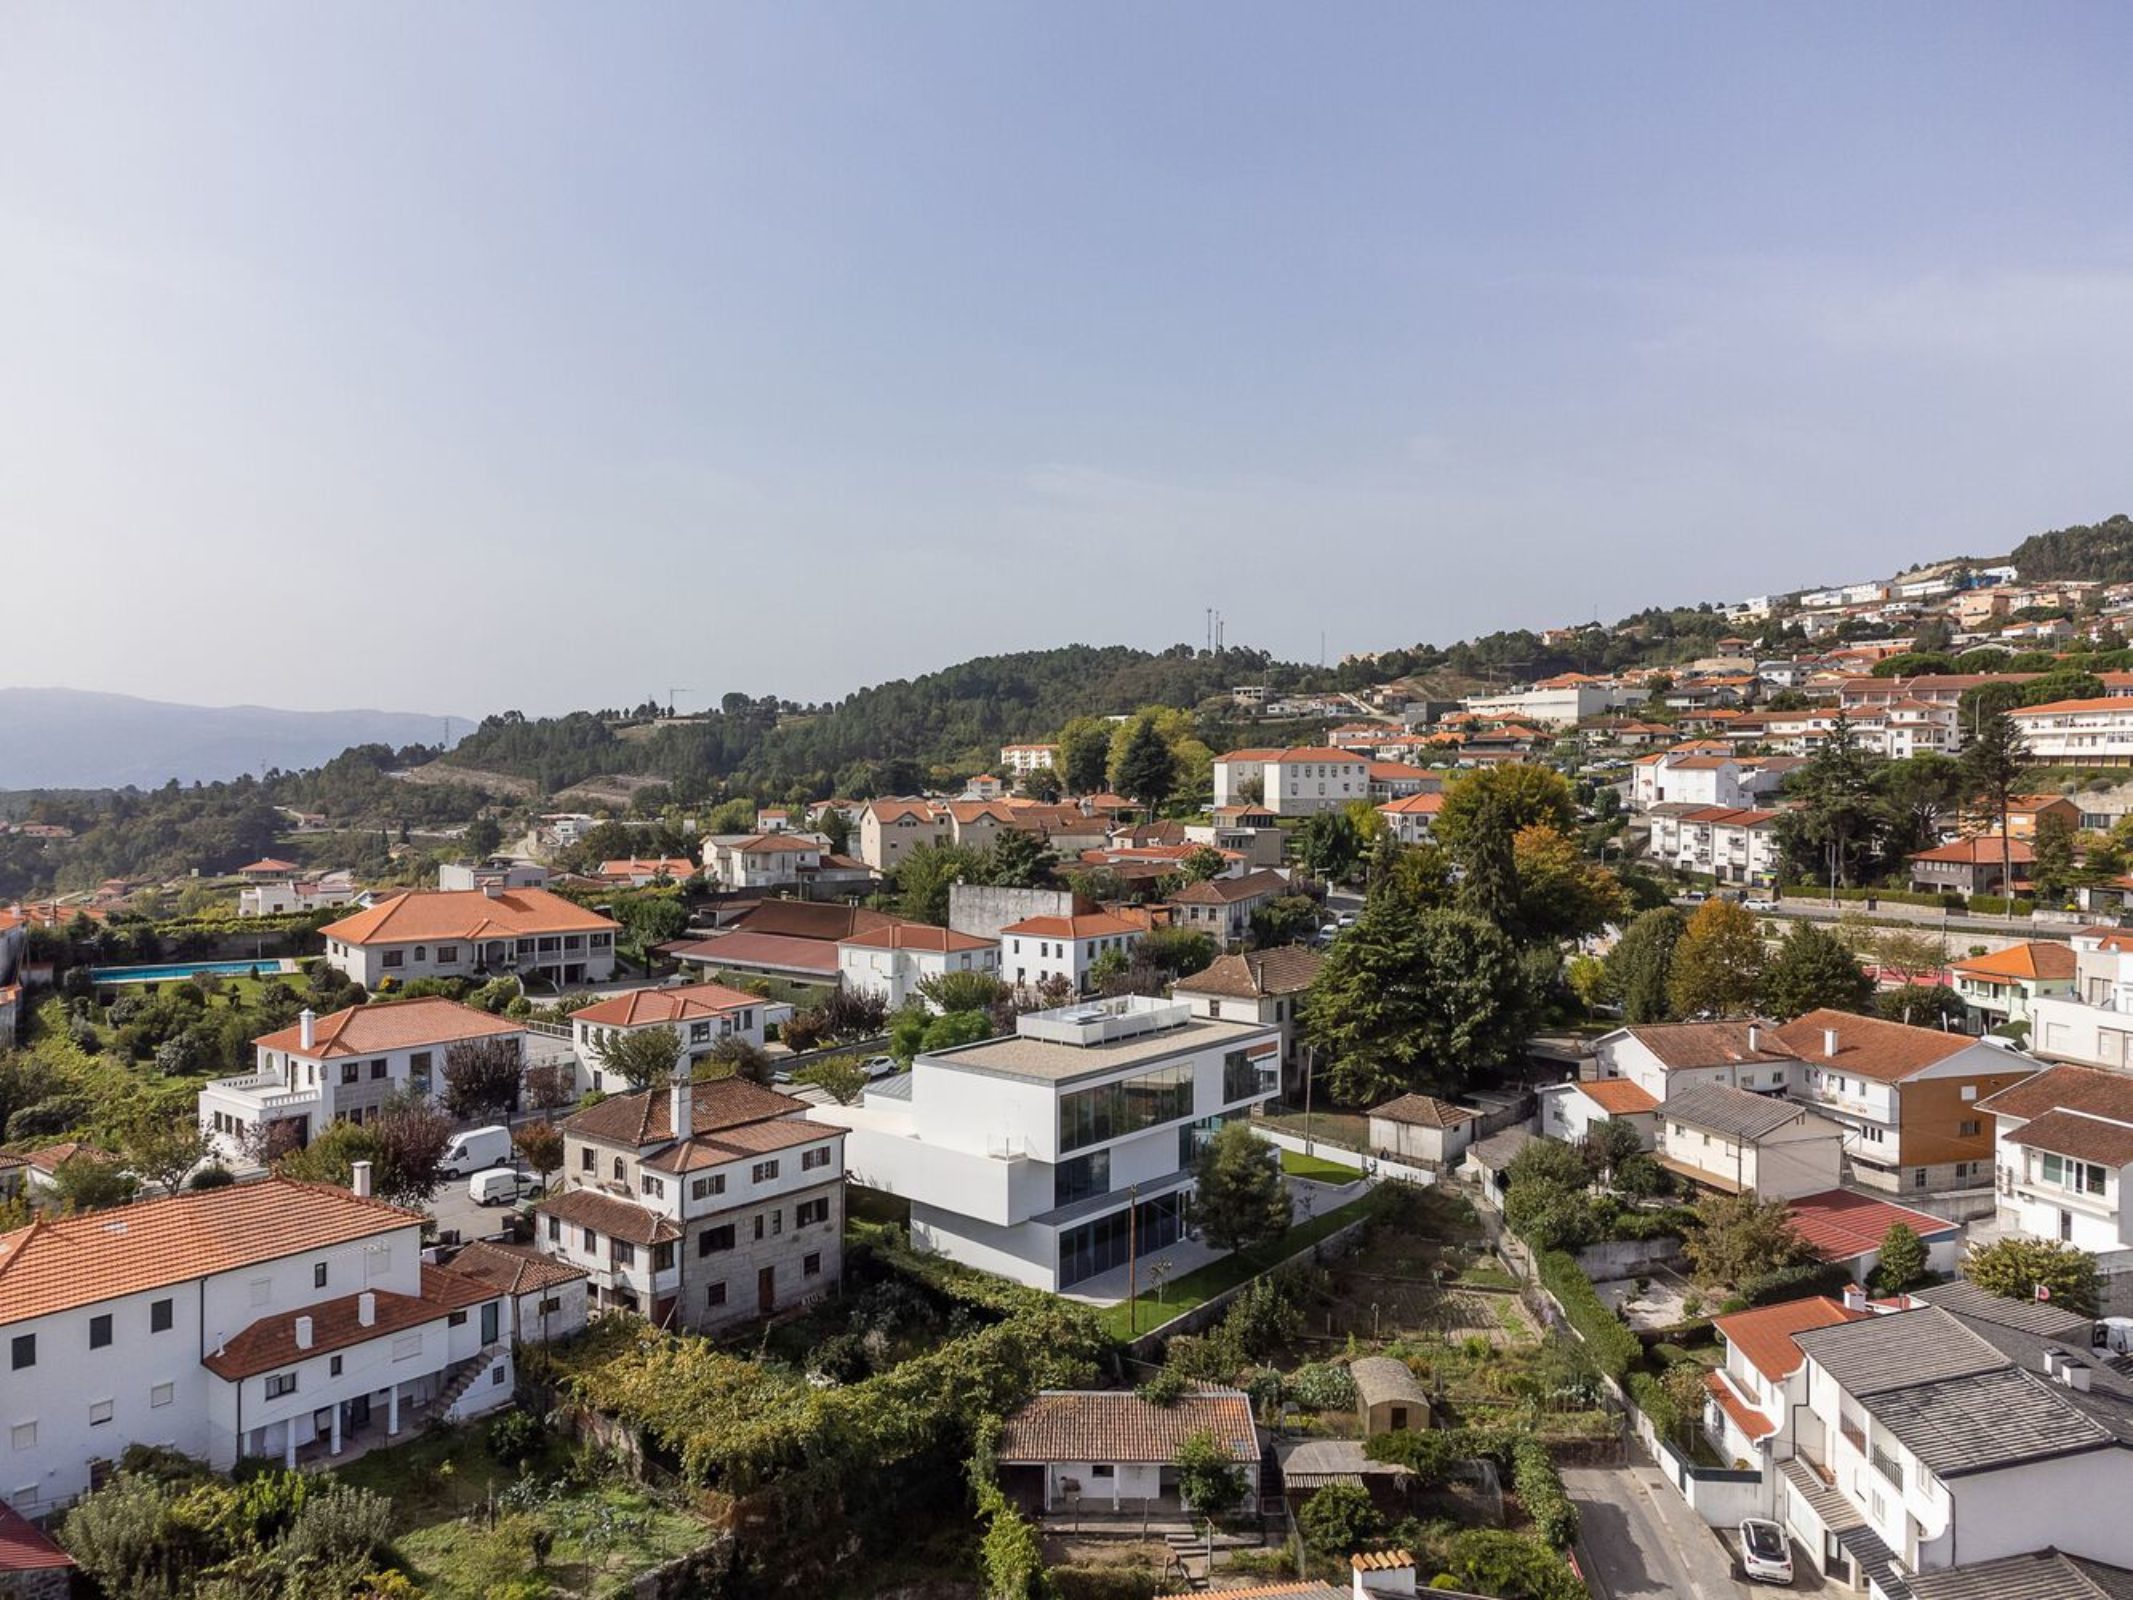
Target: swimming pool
[178,972]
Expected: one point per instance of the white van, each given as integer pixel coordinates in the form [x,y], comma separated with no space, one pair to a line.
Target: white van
[475,1149]
[499,1186]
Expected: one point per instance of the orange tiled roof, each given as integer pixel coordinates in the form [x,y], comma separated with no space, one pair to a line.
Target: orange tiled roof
[642,1007]
[336,1324]
[1872,1047]
[645,1117]
[1745,1417]
[1618,1097]
[918,936]
[388,1025]
[1117,1425]
[2036,958]
[1414,805]
[513,1269]
[1764,1335]
[466,914]
[1088,925]
[58,1263]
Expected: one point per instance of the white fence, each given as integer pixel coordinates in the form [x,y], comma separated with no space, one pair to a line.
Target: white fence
[1368,1166]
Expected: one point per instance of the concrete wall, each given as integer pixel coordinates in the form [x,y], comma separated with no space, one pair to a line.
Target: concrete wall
[1625,1258]
[982,911]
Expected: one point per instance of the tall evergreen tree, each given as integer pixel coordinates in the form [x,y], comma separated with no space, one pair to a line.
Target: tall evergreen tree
[1487,851]
[1838,817]
[1642,962]
[1814,969]
[1992,772]
[1147,772]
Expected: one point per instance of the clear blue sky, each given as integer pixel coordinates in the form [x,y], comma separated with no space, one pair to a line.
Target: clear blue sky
[470,356]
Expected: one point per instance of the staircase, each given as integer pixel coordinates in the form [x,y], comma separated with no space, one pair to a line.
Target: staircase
[464,1376]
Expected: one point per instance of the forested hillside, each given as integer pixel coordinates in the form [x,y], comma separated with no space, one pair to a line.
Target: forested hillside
[2102,551]
[961,714]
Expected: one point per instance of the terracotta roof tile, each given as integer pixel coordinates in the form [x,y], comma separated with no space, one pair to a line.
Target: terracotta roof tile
[336,1324]
[608,1215]
[745,948]
[1745,1417]
[645,1117]
[1839,1224]
[1618,1097]
[1255,975]
[1088,925]
[1982,850]
[466,914]
[389,1025]
[1228,891]
[1117,1426]
[2069,1133]
[2091,1090]
[2035,959]
[918,936]
[1709,1044]
[513,1269]
[1423,1111]
[57,1263]
[23,1548]
[679,1003]
[1764,1335]
[1886,1051]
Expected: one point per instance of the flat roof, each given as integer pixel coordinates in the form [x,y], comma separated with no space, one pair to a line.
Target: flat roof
[1046,1061]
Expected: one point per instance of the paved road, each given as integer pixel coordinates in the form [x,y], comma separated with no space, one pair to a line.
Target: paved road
[1640,1540]
[1928,918]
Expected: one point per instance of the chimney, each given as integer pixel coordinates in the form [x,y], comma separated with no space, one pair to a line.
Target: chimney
[303,1333]
[359,1178]
[366,1309]
[2074,1373]
[1829,1042]
[307,1023]
[1383,1572]
[1854,1297]
[2054,1356]
[681,1101]
[1755,1039]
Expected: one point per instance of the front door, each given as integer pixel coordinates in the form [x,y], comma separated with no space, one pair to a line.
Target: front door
[488,1322]
[766,1290]
[355,1415]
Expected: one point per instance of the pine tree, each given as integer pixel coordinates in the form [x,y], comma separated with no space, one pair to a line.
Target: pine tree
[1147,772]
[1992,769]
[1813,969]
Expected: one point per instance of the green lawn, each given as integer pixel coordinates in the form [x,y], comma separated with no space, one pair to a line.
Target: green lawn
[1298,1165]
[1182,1294]
[462,1528]
[1348,1129]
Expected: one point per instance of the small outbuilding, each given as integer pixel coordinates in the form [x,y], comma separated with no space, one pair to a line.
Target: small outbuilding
[1422,1128]
[1388,1397]
[1114,1451]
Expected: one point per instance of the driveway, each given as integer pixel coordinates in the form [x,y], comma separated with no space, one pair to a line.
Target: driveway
[1640,1541]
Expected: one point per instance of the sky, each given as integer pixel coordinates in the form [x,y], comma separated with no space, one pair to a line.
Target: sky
[538,356]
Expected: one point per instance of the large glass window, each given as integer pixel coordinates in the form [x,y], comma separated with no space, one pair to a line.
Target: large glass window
[1246,1079]
[1113,1110]
[1193,1137]
[1105,1243]
[1081,1177]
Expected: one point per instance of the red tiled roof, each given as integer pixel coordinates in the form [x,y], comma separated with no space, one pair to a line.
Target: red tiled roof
[1414,805]
[643,1007]
[2036,959]
[1423,1111]
[1119,1426]
[609,1215]
[389,1025]
[58,1263]
[1709,1044]
[646,1117]
[1088,925]
[513,1269]
[2090,1090]
[1764,1335]
[1745,1417]
[1839,1224]
[466,914]
[918,936]
[1618,1097]
[1228,891]
[2070,1133]
[23,1548]
[336,1324]
[1887,1051]
[773,950]
[1980,850]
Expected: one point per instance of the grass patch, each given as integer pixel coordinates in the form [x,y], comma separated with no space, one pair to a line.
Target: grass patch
[1348,1129]
[463,1520]
[1298,1165]
[1486,1274]
[1182,1294]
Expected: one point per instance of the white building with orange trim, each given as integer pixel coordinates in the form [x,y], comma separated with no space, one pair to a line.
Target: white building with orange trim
[893,961]
[1039,949]
[468,933]
[1412,818]
[2078,733]
[773,860]
[341,1067]
[277,1319]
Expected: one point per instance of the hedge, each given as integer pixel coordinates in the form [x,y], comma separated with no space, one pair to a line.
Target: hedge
[1614,1348]
[1649,1396]
[1795,1283]
[1540,1490]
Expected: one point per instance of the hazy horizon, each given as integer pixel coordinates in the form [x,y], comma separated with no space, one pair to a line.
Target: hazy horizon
[525,357]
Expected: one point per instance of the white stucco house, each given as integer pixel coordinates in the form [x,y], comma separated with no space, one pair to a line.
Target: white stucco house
[342,1067]
[1037,949]
[1292,783]
[702,1015]
[1110,1450]
[473,933]
[893,961]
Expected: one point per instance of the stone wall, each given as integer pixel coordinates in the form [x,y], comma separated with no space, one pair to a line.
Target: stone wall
[981,910]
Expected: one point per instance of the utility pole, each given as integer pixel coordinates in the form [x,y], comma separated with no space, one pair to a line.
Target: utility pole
[1133,1207]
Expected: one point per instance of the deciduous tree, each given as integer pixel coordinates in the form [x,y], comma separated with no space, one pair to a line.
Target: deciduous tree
[1640,967]
[2016,1268]
[1812,970]
[1718,965]
[482,1077]
[1209,1478]
[1239,1199]
[1742,1237]
[540,1146]
[640,1057]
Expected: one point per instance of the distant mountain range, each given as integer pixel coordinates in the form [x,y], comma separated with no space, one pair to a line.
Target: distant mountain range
[72,739]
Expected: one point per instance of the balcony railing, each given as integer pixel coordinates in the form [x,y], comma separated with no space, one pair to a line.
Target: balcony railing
[1853,1434]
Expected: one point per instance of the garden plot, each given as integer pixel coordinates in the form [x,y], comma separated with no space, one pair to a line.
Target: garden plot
[1656,1299]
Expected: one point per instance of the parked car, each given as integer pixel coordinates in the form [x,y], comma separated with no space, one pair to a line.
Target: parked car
[1760,902]
[1345,920]
[475,1150]
[1692,897]
[1765,1553]
[878,1066]
[499,1186]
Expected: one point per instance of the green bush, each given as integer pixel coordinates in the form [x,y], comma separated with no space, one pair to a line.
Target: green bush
[1540,1490]
[1614,1348]
[1794,1283]
[1108,1583]
[1322,1387]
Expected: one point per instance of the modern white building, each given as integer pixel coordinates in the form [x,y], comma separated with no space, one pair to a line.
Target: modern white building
[1999,988]
[1688,778]
[1037,950]
[1023,759]
[702,1016]
[1750,1398]
[893,961]
[274,897]
[473,933]
[1023,1155]
[2092,1021]
[1292,783]
[274,1319]
[1559,702]
[341,1067]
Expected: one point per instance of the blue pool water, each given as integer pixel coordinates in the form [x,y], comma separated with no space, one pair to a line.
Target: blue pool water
[179,971]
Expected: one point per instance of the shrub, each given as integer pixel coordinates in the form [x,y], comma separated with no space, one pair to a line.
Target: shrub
[1540,1489]
[1322,1387]
[1794,1283]
[1338,1520]
[1614,1348]
[515,1438]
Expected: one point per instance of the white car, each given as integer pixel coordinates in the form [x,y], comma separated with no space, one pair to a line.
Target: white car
[878,1066]
[1759,902]
[1765,1553]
